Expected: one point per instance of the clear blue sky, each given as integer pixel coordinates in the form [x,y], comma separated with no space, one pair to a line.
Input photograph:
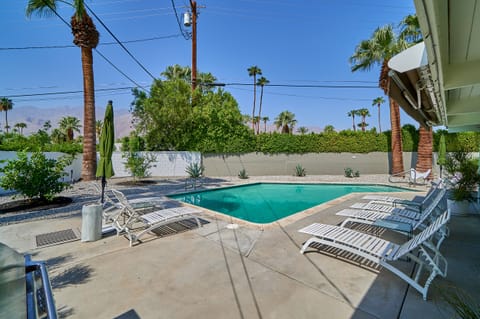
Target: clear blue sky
[293,42]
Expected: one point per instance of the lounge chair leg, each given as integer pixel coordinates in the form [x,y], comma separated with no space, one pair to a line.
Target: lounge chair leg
[307,244]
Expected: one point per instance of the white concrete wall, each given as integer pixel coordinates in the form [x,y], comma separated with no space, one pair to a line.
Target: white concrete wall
[168,164]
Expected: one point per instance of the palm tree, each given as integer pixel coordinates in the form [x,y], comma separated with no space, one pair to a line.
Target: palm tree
[256,122]
[378,101]
[262,81]
[265,119]
[98,127]
[247,119]
[177,72]
[363,113]
[85,36]
[20,126]
[58,136]
[68,125]
[286,121]
[352,114]
[47,125]
[302,130]
[328,129]
[378,50]
[254,71]
[6,105]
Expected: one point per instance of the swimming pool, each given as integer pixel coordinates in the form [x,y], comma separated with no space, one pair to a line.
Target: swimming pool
[268,202]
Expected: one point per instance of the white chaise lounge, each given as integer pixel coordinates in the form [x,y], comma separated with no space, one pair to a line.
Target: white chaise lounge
[384,252]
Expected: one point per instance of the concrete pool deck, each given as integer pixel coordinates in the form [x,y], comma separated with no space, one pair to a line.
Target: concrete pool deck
[216,272]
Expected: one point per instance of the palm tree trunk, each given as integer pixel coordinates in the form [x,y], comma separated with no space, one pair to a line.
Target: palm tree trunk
[379,125]
[265,126]
[254,99]
[425,147]
[363,123]
[260,110]
[6,121]
[353,123]
[397,148]
[89,162]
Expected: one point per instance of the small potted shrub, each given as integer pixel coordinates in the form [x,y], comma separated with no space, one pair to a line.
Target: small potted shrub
[242,174]
[464,179]
[300,171]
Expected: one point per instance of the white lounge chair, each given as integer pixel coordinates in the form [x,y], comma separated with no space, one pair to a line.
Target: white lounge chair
[394,205]
[402,224]
[391,200]
[413,177]
[132,218]
[384,252]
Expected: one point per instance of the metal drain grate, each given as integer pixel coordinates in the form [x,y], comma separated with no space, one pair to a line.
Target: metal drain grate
[58,237]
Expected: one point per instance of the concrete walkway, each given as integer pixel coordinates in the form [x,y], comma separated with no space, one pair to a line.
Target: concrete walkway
[217,272]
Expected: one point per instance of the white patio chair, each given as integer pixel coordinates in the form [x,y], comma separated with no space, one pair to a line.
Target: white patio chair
[384,252]
[391,200]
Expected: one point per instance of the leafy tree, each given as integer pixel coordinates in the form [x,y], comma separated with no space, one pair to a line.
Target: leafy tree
[167,121]
[352,114]
[58,136]
[378,102]
[20,126]
[261,82]
[254,71]
[68,125]
[6,105]
[137,164]
[85,36]
[285,120]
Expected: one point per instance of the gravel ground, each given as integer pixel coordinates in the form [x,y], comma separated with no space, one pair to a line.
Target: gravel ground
[85,193]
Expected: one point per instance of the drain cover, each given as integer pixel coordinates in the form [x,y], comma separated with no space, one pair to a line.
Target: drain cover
[58,237]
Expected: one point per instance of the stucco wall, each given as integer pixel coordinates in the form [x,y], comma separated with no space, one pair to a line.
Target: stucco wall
[314,163]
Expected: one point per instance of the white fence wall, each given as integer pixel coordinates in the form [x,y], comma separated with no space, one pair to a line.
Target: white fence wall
[167,164]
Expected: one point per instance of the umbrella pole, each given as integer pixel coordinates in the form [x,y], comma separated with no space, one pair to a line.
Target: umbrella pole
[104,183]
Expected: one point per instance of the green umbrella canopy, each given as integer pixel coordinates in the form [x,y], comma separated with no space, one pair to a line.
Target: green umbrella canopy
[107,139]
[442,151]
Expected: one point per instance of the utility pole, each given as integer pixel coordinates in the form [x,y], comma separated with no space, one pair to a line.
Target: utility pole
[193,7]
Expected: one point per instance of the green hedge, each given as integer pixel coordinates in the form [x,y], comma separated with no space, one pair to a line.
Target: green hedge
[357,142]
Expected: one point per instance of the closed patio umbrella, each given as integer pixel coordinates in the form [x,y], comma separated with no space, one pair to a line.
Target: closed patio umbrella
[107,139]
[442,153]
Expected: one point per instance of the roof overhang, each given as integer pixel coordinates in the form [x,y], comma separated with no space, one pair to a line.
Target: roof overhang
[412,87]
[451,31]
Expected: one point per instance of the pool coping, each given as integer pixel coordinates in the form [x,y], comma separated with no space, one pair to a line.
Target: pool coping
[287,220]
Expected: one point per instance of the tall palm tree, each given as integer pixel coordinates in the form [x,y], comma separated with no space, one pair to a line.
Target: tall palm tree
[98,127]
[6,105]
[254,71]
[68,125]
[285,120]
[378,50]
[363,113]
[58,136]
[85,36]
[262,81]
[265,119]
[378,101]
[20,126]
[352,114]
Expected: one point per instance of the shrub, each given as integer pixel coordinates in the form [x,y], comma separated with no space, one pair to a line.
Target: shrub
[300,171]
[348,172]
[195,170]
[356,174]
[242,174]
[36,176]
[137,164]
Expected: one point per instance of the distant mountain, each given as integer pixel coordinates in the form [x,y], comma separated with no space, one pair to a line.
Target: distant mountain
[35,117]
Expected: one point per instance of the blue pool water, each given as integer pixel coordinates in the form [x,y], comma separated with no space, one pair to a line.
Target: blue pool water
[267,202]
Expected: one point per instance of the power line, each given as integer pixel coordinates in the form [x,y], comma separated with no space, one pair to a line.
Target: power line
[69,92]
[104,57]
[310,86]
[120,43]
[186,35]
[74,46]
